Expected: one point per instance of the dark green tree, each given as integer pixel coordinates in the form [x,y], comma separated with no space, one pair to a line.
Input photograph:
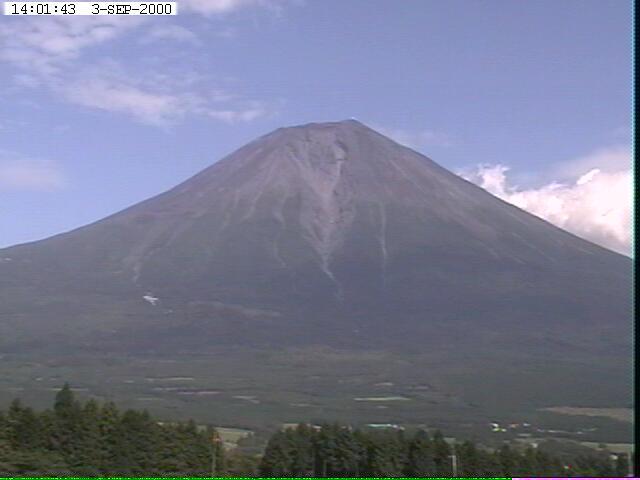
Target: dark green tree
[469,460]
[277,458]
[86,458]
[24,428]
[441,455]
[420,462]
[508,460]
[347,458]
[65,404]
[302,442]
[386,454]
[135,451]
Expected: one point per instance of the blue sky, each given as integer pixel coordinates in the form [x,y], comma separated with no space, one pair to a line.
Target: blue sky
[527,99]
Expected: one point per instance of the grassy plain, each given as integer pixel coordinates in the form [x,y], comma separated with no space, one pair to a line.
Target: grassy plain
[259,390]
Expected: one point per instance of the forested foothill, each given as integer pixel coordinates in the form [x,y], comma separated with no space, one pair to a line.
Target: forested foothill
[90,439]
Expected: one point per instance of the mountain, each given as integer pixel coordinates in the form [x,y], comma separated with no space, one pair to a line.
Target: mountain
[324,235]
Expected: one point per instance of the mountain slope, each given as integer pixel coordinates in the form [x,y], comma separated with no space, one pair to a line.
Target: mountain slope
[326,250]
[325,220]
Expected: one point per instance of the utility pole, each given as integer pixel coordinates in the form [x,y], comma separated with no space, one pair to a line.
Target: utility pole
[454,464]
[215,445]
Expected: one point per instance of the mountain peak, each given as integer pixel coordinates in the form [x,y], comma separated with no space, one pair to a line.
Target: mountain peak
[341,126]
[346,123]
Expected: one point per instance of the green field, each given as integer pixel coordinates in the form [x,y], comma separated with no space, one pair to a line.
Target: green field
[259,390]
[621,414]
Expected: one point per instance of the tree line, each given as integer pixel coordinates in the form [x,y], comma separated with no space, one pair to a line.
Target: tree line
[339,451]
[94,440]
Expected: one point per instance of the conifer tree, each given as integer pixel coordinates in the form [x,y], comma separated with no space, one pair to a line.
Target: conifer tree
[277,458]
[108,420]
[65,403]
[302,440]
[469,460]
[86,460]
[420,456]
[508,460]
[441,455]
[385,454]
[348,454]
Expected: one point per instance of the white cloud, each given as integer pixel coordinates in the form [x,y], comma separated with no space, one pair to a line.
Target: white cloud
[416,139]
[45,46]
[148,107]
[41,44]
[53,54]
[217,7]
[611,158]
[17,173]
[235,116]
[159,100]
[595,204]
[170,33]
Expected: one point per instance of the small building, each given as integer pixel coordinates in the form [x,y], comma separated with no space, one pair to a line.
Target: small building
[391,426]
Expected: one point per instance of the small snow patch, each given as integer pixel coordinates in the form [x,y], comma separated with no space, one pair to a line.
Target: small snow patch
[151,299]
[169,379]
[248,398]
[381,399]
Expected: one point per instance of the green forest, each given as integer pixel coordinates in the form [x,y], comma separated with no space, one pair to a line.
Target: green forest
[91,439]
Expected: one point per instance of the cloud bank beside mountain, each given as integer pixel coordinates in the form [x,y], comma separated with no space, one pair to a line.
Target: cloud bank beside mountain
[593,199]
